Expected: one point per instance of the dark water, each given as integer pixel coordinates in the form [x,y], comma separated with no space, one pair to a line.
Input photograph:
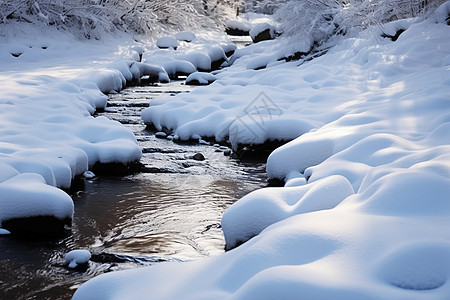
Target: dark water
[173,214]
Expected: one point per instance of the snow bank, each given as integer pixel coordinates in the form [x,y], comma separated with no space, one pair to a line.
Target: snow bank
[259,209]
[47,133]
[380,143]
[28,195]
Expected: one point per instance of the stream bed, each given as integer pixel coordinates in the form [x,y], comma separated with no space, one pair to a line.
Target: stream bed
[169,212]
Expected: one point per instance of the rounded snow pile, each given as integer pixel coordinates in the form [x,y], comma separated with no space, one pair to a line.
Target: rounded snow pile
[167,42]
[77,257]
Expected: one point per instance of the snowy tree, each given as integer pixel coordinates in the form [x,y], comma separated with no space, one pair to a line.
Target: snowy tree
[91,18]
[311,23]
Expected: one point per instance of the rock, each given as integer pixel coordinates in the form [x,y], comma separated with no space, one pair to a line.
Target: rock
[161,135]
[88,175]
[262,32]
[235,27]
[198,156]
[47,226]
[395,36]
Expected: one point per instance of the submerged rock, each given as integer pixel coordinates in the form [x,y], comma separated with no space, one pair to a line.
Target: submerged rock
[37,226]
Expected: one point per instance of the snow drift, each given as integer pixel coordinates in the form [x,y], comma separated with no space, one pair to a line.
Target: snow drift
[378,115]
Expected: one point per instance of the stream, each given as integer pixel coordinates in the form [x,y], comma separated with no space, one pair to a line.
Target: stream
[169,212]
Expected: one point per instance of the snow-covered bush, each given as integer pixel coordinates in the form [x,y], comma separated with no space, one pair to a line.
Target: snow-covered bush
[309,23]
[92,18]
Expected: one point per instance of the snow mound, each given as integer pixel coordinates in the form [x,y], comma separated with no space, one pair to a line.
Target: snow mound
[28,195]
[167,42]
[200,78]
[259,209]
[77,257]
[47,132]
[186,36]
[261,32]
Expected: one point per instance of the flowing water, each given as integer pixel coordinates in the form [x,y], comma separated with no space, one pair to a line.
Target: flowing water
[169,212]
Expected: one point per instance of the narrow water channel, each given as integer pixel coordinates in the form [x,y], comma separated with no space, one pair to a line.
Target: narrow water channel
[171,211]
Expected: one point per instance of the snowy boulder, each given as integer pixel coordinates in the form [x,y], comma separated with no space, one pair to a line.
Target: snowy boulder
[29,205]
[262,32]
[200,78]
[235,27]
[254,212]
[185,36]
[167,42]
[155,73]
[218,57]
[229,48]
[175,68]
[200,60]
[76,258]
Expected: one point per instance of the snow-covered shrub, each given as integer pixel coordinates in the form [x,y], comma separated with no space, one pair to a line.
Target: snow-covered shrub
[92,18]
[309,23]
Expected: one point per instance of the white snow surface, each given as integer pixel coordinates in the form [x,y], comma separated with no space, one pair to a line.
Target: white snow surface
[77,257]
[47,133]
[368,220]
[167,42]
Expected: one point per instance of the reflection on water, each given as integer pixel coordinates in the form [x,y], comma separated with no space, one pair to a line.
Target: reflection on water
[164,215]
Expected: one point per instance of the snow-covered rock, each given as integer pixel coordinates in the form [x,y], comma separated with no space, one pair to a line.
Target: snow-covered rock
[47,133]
[27,195]
[186,36]
[262,32]
[235,27]
[200,78]
[167,42]
[77,257]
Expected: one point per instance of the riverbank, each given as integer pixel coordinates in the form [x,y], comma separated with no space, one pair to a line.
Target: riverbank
[364,210]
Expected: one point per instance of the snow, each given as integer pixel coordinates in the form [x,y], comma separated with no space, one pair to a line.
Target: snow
[167,42]
[200,78]
[77,257]
[261,27]
[29,195]
[365,209]
[186,36]
[261,208]
[47,133]
[238,25]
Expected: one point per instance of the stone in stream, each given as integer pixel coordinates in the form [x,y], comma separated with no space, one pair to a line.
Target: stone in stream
[161,135]
[78,259]
[198,156]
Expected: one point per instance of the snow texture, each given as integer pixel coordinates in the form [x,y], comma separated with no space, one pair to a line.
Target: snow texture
[77,257]
[167,42]
[365,210]
[186,36]
[47,132]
